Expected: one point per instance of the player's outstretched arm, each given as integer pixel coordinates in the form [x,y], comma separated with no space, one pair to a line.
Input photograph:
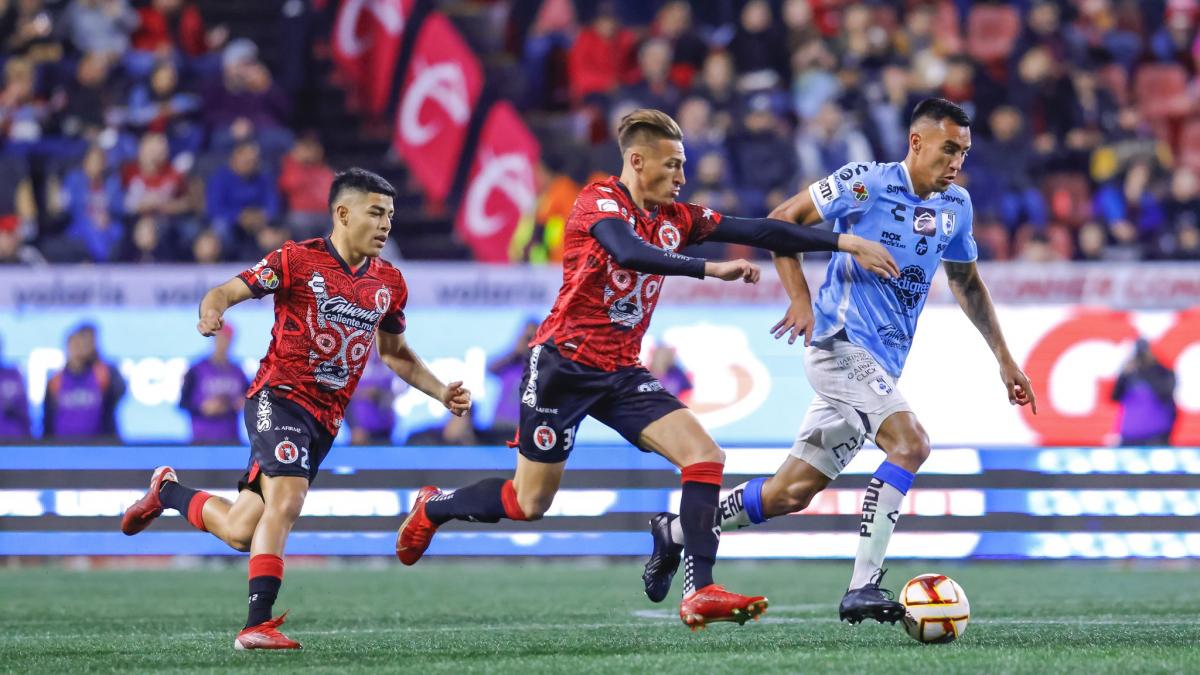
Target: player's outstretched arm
[972,295]
[404,362]
[216,301]
[632,252]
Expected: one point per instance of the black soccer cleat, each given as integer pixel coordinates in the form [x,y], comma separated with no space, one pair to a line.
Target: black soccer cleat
[664,561]
[871,602]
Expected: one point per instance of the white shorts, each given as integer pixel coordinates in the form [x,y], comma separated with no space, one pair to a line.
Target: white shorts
[854,396]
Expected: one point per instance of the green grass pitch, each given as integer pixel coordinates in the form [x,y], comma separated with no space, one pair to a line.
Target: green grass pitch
[536,616]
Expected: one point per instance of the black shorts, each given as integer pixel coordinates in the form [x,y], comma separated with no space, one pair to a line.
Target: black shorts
[557,393]
[285,440]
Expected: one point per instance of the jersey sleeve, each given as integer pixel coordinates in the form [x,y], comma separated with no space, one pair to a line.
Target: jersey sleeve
[849,190]
[703,221]
[393,320]
[594,205]
[269,275]
[961,247]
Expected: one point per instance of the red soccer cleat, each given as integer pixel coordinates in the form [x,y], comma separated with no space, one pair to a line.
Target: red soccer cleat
[417,530]
[139,516]
[714,603]
[265,635]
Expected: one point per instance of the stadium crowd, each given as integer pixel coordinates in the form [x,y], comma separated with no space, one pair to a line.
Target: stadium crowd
[135,131]
[1086,135]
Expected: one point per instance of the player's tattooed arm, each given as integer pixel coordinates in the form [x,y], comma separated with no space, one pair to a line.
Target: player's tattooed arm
[216,301]
[972,294]
[404,362]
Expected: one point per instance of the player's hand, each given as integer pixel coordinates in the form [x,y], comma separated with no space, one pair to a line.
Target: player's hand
[210,323]
[1020,392]
[456,398]
[797,320]
[732,270]
[870,255]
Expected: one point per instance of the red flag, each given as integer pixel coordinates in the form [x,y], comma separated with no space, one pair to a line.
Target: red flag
[501,187]
[441,89]
[366,44]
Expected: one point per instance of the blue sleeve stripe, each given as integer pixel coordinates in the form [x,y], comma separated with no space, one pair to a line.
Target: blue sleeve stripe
[895,476]
[752,500]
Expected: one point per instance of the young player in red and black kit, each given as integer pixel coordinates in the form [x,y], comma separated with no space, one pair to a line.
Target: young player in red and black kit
[621,240]
[334,298]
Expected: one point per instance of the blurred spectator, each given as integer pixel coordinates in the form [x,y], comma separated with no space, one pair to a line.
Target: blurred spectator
[654,89]
[89,99]
[710,186]
[1006,164]
[214,392]
[700,135]
[665,368]
[509,368]
[14,406]
[371,413]
[99,26]
[756,148]
[716,85]
[829,141]
[22,115]
[456,431]
[887,111]
[246,103]
[539,239]
[688,50]
[242,198]
[165,26]
[815,84]
[1187,245]
[29,30]
[161,107]
[759,48]
[798,19]
[81,399]
[304,181]
[15,252]
[601,56]
[152,185]
[1145,390]
[94,205]
[147,243]
[206,248]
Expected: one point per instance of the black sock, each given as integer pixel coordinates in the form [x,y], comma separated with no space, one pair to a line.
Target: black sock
[263,591]
[175,496]
[479,502]
[697,515]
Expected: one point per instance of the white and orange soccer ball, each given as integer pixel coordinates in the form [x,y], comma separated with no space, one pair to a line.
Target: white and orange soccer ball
[935,609]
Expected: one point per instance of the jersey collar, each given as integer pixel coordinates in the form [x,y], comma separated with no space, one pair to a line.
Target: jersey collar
[908,184]
[362,269]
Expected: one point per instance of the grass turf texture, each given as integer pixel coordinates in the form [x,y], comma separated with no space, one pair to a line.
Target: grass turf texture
[582,617]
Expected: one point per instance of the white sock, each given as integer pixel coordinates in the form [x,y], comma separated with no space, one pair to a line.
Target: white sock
[881,509]
[730,510]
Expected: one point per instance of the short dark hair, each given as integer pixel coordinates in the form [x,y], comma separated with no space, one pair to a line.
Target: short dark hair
[360,180]
[938,109]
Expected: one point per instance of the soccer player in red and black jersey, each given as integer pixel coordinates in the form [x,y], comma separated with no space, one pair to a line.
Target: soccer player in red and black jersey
[334,298]
[621,240]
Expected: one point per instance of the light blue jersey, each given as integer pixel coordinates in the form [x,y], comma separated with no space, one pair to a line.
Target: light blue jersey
[877,202]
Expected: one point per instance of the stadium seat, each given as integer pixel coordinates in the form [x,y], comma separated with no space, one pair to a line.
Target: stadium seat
[1068,197]
[991,32]
[1160,90]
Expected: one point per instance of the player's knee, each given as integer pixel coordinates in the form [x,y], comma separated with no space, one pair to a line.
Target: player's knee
[911,452]
[534,506]
[287,506]
[239,543]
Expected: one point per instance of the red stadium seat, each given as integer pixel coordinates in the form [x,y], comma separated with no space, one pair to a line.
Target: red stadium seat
[1160,90]
[1068,197]
[991,32]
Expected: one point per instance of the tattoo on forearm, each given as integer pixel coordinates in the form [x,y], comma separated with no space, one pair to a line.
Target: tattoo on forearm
[976,302]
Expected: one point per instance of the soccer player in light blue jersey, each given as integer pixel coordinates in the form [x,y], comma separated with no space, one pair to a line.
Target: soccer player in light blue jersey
[858,333]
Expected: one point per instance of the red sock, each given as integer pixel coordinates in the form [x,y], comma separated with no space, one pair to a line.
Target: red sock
[195,512]
[508,497]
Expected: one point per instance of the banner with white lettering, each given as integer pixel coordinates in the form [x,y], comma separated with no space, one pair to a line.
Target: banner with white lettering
[441,88]
[501,187]
[366,44]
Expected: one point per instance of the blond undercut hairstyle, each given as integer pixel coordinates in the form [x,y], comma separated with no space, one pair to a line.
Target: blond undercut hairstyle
[645,125]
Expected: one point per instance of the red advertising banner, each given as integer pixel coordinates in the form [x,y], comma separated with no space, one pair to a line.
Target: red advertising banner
[441,89]
[501,187]
[366,44]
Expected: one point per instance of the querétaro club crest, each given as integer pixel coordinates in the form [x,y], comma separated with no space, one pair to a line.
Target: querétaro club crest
[910,287]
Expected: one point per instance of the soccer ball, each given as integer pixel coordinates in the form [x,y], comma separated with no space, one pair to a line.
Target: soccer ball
[935,609]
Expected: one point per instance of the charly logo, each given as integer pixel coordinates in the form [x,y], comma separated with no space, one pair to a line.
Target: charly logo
[287,452]
[383,299]
[544,437]
[910,287]
[668,234]
[442,83]
[263,413]
[512,175]
[345,32]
